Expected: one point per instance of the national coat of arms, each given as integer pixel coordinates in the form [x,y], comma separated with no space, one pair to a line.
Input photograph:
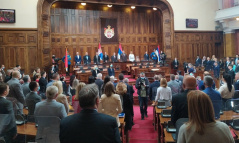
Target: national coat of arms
[109,33]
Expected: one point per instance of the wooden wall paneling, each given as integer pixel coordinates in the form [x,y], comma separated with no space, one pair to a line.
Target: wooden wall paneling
[2,56]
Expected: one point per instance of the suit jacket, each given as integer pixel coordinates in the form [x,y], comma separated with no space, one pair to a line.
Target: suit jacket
[50,108]
[175,63]
[31,99]
[232,74]
[226,66]
[208,66]
[16,92]
[123,57]
[204,63]
[179,106]
[97,60]
[237,69]
[198,62]
[99,83]
[105,58]
[89,126]
[78,59]
[114,59]
[137,85]
[175,87]
[130,91]
[6,107]
[25,88]
[42,84]
[152,95]
[146,57]
[94,74]
[7,78]
[216,70]
[236,85]
[111,72]
[87,61]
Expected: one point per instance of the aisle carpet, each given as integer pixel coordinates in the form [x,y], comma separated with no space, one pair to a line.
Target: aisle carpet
[143,130]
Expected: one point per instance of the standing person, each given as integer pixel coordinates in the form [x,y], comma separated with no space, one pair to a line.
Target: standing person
[163,57]
[164,93]
[146,56]
[99,82]
[204,61]
[174,85]
[111,71]
[227,63]
[96,58]
[38,71]
[43,83]
[9,131]
[3,72]
[81,126]
[208,64]
[202,126]
[106,80]
[198,61]
[105,58]
[16,90]
[8,75]
[114,58]
[69,62]
[175,63]
[87,59]
[52,71]
[231,73]
[216,70]
[153,87]
[25,85]
[95,71]
[77,59]
[123,57]
[131,56]
[142,84]
[154,56]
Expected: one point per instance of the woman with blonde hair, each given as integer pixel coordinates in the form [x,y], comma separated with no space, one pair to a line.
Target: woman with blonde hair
[110,103]
[164,93]
[127,104]
[75,102]
[202,127]
[61,97]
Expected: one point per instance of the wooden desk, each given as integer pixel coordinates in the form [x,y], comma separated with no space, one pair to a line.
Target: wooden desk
[168,137]
[228,115]
[27,129]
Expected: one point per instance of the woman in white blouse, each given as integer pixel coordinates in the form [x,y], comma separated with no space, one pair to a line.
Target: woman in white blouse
[110,103]
[131,57]
[164,93]
[227,89]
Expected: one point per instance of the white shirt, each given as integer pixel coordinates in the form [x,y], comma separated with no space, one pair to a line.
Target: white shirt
[163,94]
[225,92]
[131,57]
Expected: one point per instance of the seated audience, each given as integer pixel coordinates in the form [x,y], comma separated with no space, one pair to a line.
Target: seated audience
[25,85]
[164,93]
[32,98]
[179,101]
[174,85]
[214,95]
[61,98]
[9,131]
[110,103]
[202,126]
[80,127]
[50,107]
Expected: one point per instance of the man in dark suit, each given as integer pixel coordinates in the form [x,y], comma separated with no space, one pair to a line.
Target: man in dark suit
[25,85]
[153,87]
[114,58]
[52,70]
[80,127]
[227,63]
[111,71]
[95,71]
[198,61]
[208,64]
[96,58]
[123,57]
[16,90]
[77,59]
[32,98]
[236,84]
[231,73]
[236,59]
[9,131]
[179,101]
[8,75]
[146,56]
[43,82]
[87,59]
[105,58]
[99,82]
[175,63]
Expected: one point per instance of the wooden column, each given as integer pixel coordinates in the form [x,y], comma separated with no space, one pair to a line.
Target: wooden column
[230,49]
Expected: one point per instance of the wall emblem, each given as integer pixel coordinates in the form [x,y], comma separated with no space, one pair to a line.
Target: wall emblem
[109,33]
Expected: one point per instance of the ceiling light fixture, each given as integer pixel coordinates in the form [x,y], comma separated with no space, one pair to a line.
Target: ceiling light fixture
[154,8]
[109,5]
[133,7]
[83,3]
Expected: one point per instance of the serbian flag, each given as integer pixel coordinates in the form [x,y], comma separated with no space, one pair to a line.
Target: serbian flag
[100,52]
[158,53]
[66,61]
[120,51]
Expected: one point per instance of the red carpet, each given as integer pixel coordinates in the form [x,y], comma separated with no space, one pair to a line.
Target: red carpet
[143,130]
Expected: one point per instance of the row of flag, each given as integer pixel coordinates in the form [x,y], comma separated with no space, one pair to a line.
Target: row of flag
[120,51]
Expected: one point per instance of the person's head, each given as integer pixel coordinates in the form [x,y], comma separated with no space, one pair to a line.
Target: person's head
[38,70]
[198,77]
[163,82]
[99,76]
[34,86]
[237,76]
[2,67]
[215,63]
[89,97]
[208,58]
[179,73]
[131,52]
[123,52]
[197,56]
[172,77]
[75,83]
[10,71]
[121,76]
[189,83]
[91,80]
[56,76]
[78,88]
[215,59]
[146,52]
[156,78]
[77,53]
[86,53]
[26,79]
[18,67]
[126,80]
[43,74]
[228,59]
[111,65]
[204,57]
[176,77]
[16,74]
[58,84]
[15,69]
[232,63]
[72,78]
[121,88]
[227,78]
[96,67]
[105,53]
[38,76]
[175,58]
[142,75]
[112,79]
[114,54]
[4,89]
[62,79]
[213,56]
[96,53]
[109,89]
[190,65]
[206,73]
[200,110]
[51,92]
[230,67]
[238,62]
[106,79]
[208,81]
[154,50]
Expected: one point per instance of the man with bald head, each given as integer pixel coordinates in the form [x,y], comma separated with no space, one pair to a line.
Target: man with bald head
[16,90]
[179,101]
